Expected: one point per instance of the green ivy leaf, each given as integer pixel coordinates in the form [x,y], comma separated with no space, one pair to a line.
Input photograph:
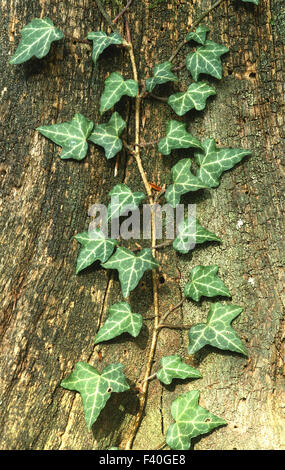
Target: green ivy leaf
[161,74]
[115,88]
[191,232]
[191,420]
[177,138]
[206,59]
[199,35]
[251,1]
[101,41]
[213,162]
[217,331]
[95,389]
[195,97]
[37,37]
[108,135]
[71,136]
[131,268]
[183,182]
[120,320]
[95,246]
[174,368]
[204,281]
[123,198]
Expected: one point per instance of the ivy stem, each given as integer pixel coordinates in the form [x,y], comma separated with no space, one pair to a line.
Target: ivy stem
[170,311]
[174,327]
[123,11]
[148,378]
[194,25]
[163,99]
[136,153]
[106,16]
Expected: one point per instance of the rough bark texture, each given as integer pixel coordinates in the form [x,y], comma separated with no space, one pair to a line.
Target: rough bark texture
[49,316]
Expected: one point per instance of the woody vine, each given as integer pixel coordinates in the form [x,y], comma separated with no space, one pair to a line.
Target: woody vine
[204,57]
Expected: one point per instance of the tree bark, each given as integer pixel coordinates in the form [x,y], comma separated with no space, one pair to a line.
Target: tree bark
[49,316]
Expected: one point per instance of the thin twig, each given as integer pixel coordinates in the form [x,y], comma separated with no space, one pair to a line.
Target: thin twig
[123,11]
[174,327]
[170,311]
[106,16]
[156,198]
[159,98]
[164,244]
[147,378]
[155,247]
[143,394]
[194,25]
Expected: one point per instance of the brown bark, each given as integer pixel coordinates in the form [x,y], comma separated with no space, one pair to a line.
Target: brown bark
[49,316]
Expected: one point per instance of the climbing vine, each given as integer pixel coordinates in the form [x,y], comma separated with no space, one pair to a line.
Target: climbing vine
[204,57]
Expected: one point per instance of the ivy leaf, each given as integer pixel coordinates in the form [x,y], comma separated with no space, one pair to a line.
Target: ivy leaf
[174,368]
[217,331]
[191,232]
[37,37]
[161,74]
[183,182]
[115,88]
[95,246]
[199,35]
[95,389]
[131,268]
[213,162]
[205,282]
[191,420]
[177,138]
[251,1]
[108,135]
[101,41]
[120,320]
[123,199]
[71,136]
[195,97]
[206,59]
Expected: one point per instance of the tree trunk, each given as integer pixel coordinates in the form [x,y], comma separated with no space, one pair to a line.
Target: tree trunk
[49,316]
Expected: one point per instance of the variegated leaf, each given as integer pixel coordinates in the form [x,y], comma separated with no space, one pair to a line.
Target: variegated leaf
[183,182]
[217,331]
[95,246]
[36,40]
[71,136]
[207,60]
[191,233]
[213,161]
[172,367]
[101,41]
[161,74]
[95,389]
[123,199]
[204,281]
[199,35]
[108,135]
[120,320]
[195,97]
[191,420]
[115,88]
[177,138]
[131,267]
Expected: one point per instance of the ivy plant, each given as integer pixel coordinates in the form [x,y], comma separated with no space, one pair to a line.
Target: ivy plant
[204,58]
